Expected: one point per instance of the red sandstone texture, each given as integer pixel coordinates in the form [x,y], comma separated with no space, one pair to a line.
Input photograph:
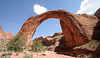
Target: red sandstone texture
[78,29]
[5,35]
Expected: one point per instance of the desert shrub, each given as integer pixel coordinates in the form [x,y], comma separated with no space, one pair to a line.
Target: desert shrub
[3,43]
[28,56]
[16,44]
[37,46]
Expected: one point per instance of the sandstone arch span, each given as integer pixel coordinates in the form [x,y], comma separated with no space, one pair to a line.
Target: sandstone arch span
[71,27]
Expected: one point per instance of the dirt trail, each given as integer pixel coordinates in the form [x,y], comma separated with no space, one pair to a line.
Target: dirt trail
[46,54]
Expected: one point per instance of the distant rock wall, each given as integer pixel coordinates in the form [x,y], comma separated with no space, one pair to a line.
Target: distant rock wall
[55,40]
[5,35]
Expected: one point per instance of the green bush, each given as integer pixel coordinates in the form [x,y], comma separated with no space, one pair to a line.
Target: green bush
[28,56]
[16,44]
[38,46]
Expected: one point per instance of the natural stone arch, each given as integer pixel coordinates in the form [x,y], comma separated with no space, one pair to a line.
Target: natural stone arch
[70,26]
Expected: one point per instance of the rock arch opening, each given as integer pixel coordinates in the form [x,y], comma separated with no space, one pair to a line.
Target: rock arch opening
[47,28]
[73,33]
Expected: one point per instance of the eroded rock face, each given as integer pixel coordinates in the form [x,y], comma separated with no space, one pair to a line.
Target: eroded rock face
[5,35]
[55,40]
[97,14]
[96,32]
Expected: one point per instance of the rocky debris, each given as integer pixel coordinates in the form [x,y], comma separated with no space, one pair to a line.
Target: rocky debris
[28,56]
[41,54]
[51,48]
[90,55]
[5,35]
[44,54]
[98,50]
[17,53]
[92,45]
[3,50]
[6,55]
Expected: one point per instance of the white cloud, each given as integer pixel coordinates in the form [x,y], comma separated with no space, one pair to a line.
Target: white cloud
[89,6]
[39,9]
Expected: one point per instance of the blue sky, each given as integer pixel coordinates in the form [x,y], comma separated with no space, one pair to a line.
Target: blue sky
[13,13]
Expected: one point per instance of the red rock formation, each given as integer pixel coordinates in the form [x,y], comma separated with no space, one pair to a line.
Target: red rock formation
[78,29]
[74,32]
[2,33]
[97,14]
[55,40]
[5,35]
[96,32]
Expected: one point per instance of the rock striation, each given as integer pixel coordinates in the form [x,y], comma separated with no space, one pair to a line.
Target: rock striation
[5,35]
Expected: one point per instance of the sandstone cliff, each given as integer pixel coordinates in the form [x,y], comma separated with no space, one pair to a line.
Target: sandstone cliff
[5,35]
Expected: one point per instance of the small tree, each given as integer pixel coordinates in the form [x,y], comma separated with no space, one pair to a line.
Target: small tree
[16,44]
[38,46]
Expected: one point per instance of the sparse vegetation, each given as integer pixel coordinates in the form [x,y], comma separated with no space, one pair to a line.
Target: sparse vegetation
[92,45]
[16,44]
[38,46]
[85,55]
[3,43]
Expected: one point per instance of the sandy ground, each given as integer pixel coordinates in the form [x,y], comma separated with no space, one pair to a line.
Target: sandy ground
[46,54]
